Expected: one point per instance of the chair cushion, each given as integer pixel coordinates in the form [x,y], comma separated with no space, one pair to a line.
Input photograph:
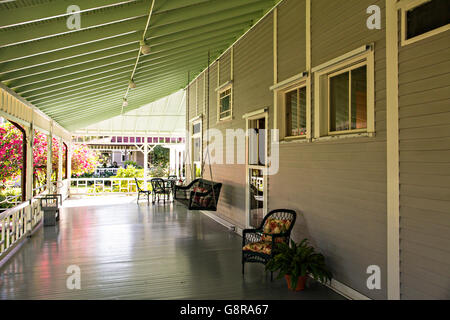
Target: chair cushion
[276,226]
[201,201]
[260,247]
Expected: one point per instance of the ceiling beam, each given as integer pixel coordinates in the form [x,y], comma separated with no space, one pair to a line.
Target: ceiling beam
[133,27]
[111,83]
[124,58]
[146,85]
[43,11]
[232,25]
[105,71]
[107,15]
[95,92]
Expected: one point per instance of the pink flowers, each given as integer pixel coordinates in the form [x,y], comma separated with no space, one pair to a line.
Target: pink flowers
[11,148]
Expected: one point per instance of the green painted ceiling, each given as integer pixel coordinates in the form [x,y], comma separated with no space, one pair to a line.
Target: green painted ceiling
[79,77]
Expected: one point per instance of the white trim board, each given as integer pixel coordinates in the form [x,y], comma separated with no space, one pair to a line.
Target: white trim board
[225,223]
[346,291]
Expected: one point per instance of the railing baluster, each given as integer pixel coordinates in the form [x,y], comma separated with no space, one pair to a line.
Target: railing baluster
[3,234]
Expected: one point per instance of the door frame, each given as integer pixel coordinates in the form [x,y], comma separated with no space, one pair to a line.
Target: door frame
[260,114]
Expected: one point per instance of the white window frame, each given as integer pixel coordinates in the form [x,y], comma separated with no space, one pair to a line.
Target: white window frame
[284,111]
[199,135]
[227,86]
[332,75]
[280,89]
[409,5]
[322,94]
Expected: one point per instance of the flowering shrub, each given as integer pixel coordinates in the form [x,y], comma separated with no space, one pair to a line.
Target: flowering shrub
[11,141]
[84,160]
[130,172]
[10,152]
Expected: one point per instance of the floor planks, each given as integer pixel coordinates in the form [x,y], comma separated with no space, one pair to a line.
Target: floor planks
[130,251]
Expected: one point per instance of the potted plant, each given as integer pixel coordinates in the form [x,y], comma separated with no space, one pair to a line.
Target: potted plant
[296,262]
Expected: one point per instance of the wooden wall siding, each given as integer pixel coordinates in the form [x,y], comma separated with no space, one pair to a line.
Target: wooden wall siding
[213,94]
[339,187]
[225,67]
[192,101]
[253,71]
[291,38]
[338,26]
[253,75]
[424,100]
[201,94]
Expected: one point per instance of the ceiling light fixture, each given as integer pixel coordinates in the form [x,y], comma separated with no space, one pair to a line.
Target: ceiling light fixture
[145,48]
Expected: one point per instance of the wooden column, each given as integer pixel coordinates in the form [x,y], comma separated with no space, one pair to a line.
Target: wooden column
[60,165]
[49,162]
[30,173]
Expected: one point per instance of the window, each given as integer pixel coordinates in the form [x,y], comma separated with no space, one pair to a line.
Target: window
[348,100]
[422,19]
[296,112]
[292,107]
[225,103]
[344,95]
[196,149]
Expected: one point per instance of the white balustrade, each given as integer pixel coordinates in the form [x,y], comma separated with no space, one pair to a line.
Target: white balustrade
[18,222]
[103,186]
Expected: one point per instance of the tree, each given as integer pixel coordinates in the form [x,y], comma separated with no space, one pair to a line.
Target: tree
[84,160]
[160,156]
[11,142]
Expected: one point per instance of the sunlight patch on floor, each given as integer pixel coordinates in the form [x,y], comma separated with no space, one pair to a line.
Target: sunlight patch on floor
[84,201]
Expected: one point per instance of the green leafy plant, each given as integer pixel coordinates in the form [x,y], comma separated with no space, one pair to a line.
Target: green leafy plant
[130,172]
[132,163]
[158,172]
[299,260]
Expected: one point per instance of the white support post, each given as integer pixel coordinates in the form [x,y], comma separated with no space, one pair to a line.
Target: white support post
[182,166]
[145,164]
[60,165]
[29,174]
[69,166]
[177,162]
[49,161]
[172,160]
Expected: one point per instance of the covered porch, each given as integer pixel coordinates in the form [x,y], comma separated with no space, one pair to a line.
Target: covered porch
[130,251]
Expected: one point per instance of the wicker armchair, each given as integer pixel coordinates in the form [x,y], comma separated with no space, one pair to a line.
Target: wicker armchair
[258,244]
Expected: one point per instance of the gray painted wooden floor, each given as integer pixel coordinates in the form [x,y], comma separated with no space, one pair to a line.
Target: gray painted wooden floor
[126,251]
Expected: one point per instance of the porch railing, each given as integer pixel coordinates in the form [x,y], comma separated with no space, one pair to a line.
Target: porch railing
[16,223]
[104,186]
[10,201]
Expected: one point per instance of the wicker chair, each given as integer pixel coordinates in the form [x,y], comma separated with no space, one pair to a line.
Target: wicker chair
[172,181]
[257,244]
[141,191]
[159,187]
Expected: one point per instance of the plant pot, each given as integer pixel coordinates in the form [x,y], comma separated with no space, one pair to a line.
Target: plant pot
[300,283]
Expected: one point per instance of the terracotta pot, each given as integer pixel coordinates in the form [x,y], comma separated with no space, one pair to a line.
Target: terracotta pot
[300,283]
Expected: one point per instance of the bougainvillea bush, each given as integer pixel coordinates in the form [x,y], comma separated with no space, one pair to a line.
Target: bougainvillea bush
[11,141]
[10,152]
[84,160]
